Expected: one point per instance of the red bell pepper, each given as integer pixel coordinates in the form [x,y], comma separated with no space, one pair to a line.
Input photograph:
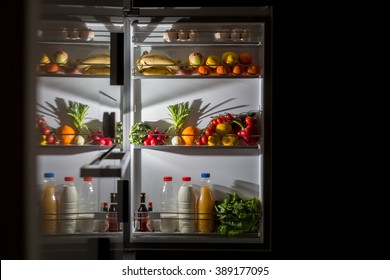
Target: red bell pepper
[249,133]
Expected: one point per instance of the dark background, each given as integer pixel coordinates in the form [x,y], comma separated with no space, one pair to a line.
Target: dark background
[326,202]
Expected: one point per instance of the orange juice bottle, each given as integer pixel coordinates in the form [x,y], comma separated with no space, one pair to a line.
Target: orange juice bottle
[205,205]
[49,204]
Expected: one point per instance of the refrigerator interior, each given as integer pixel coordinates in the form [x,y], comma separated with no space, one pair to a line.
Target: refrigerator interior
[233,169]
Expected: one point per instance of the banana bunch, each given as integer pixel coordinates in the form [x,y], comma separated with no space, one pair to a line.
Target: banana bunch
[97,64]
[156,64]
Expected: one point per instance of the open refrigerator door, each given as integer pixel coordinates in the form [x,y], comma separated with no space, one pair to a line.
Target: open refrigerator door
[213,73]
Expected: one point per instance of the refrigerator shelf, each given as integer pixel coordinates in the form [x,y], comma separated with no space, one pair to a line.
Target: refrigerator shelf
[196,147]
[199,44]
[214,76]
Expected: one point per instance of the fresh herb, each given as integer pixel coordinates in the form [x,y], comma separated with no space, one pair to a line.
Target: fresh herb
[78,112]
[237,215]
[178,113]
[139,132]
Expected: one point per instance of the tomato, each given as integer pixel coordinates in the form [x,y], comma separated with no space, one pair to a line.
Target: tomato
[49,139]
[46,131]
[229,117]
[220,120]
[214,122]
[41,122]
[209,131]
[204,139]
[199,142]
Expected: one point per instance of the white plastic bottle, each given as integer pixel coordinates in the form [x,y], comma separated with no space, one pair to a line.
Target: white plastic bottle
[68,206]
[88,205]
[168,206]
[186,200]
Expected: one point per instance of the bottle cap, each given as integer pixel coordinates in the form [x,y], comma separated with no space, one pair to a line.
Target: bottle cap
[69,178]
[87,178]
[48,175]
[186,179]
[205,175]
[167,178]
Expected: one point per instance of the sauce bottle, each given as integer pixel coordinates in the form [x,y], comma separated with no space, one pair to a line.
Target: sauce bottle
[142,215]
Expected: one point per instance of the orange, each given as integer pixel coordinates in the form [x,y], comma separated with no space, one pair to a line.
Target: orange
[190,134]
[238,69]
[245,58]
[51,68]
[253,69]
[204,70]
[223,70]
[66,133]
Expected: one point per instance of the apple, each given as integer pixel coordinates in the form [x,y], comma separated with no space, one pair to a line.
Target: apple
[60,57]
[186,68]
[196,58]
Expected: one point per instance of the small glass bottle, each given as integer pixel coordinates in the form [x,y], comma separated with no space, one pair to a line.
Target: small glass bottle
[142,215]
[114,225]
[49,204]
[205,204]
[168,206]
[101,224]
[68,206]
[150,224]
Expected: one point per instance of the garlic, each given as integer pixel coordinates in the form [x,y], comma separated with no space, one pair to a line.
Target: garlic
[176,140]
[79,140]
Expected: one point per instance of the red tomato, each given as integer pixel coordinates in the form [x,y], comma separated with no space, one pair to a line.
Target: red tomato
[220,120]
[49,139]
[199,142]
[229,117]
[214,122]
[204,139]
[46,131]
[209,132]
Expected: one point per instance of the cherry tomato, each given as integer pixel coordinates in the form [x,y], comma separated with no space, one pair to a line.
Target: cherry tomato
[229,117]
[208,132]
[49,139]
[214,122]
[199,142]
[220,120]
[204,139]
[46,131]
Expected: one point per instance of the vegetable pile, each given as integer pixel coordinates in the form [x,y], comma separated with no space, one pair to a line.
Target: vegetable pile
[236,215]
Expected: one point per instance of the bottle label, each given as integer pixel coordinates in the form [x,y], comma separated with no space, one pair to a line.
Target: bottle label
[113,221]
[142,222]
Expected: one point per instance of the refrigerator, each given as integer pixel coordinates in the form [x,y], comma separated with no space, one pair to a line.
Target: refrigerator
[216,63]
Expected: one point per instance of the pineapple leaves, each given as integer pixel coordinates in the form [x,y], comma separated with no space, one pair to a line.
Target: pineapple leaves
[78,112]
[178,113]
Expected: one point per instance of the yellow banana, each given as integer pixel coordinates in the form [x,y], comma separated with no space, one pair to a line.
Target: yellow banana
[101,58]
[93,70]
[154,71]
[154,59]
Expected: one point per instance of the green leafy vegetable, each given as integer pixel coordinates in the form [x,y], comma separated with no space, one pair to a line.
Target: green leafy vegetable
[138,132]
[237,215]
